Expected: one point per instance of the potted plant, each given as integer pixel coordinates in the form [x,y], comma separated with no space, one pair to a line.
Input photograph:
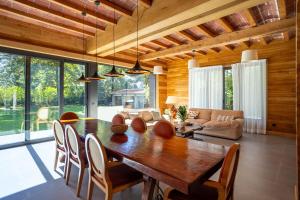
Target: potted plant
[182,114]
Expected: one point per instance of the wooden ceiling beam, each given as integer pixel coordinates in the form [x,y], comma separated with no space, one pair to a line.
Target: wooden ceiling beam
[63,16]
[282,9]
[227,38]
[115,7]
[160,44]
[145,3]
[30,16]
[67,54]
[187,36]
[173,40]
[149,47]
[204,31]
[225,25]
[79,9]
[165,18]
[249,17]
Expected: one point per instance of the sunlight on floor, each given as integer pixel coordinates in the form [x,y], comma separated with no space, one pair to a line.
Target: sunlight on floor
[29,166]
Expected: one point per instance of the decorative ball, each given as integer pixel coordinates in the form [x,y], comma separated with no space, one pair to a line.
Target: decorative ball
[119,128]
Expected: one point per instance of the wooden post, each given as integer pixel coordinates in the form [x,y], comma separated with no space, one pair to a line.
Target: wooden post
[298,97]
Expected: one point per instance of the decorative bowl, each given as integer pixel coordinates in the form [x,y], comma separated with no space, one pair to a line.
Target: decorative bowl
[119,128]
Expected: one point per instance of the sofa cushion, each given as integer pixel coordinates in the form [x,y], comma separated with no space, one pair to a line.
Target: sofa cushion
[197,121]
[146,115]
[222,124]
[221,118]
[203,113]
[192,114]
[156,115]
[235,113]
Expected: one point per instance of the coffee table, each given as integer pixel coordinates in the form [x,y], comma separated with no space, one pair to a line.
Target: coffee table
[188,131]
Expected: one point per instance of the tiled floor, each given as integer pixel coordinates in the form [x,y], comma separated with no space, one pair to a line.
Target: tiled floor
[267,171]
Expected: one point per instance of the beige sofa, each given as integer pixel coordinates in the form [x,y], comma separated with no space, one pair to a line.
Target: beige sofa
[150,117]
[219,123]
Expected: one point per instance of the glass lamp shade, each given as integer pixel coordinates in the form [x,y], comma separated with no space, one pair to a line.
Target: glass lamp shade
[158,70]
[171,100]
[95,77]
[192,63]
[137,69]
[249,55]
[114,73]
[83,80]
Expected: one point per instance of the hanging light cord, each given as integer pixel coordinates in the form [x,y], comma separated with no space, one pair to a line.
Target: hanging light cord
[114,38]
[137,30]
[96,34]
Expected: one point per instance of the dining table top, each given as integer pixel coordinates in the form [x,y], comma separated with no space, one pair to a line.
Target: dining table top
[179,162]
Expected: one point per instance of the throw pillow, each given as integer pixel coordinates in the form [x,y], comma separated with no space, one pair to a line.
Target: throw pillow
[156,115]
[146,115]
[224,118]
[193,114]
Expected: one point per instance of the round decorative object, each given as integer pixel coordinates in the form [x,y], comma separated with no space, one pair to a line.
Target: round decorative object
[119,128]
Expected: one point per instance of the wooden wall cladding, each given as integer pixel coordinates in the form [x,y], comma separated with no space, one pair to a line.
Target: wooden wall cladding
[298,100]
[281,85]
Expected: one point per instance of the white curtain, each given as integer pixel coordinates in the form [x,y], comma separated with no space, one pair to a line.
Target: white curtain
[206,87]
[249,94]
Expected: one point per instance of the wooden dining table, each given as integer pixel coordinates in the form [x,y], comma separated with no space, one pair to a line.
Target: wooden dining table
[178,162]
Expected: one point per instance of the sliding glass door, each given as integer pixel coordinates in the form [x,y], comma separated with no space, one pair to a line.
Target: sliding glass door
[44,96]
[74,93]
[12,95]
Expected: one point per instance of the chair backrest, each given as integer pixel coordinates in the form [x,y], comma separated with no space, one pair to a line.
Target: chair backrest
[73,142]
[43,113]
[118,119]
[97,158]
[138,124]
[69,116]
[229,168]
[59,133]
[164,129]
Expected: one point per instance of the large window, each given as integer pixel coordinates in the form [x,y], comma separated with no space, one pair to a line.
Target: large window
[132,92]
[228,89]
[44,93]
[33,93]
[12,95]
[74,93]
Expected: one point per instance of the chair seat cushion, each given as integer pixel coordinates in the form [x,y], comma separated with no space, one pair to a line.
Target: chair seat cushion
[123,174]
[203,193]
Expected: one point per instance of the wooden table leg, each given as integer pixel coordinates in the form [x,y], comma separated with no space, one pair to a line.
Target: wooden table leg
[149,187]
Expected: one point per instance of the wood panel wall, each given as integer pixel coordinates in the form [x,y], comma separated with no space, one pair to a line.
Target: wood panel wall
[281,83]
[161,92]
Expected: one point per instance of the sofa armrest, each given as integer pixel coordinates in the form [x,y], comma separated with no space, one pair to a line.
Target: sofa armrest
[240,120]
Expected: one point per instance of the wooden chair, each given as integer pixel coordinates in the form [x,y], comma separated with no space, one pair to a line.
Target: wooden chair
[42,117]
[118,119]
[214,190]
[76,155]
[110,178]
[138,124]
[164,129]
[60,146]
[69,116]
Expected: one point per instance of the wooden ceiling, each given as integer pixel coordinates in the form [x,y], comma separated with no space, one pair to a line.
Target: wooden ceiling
[263,23]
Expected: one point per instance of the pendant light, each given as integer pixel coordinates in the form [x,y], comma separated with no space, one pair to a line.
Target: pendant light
[192,63]
[95,76]
[137,69]
[113,72]
[82,79]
